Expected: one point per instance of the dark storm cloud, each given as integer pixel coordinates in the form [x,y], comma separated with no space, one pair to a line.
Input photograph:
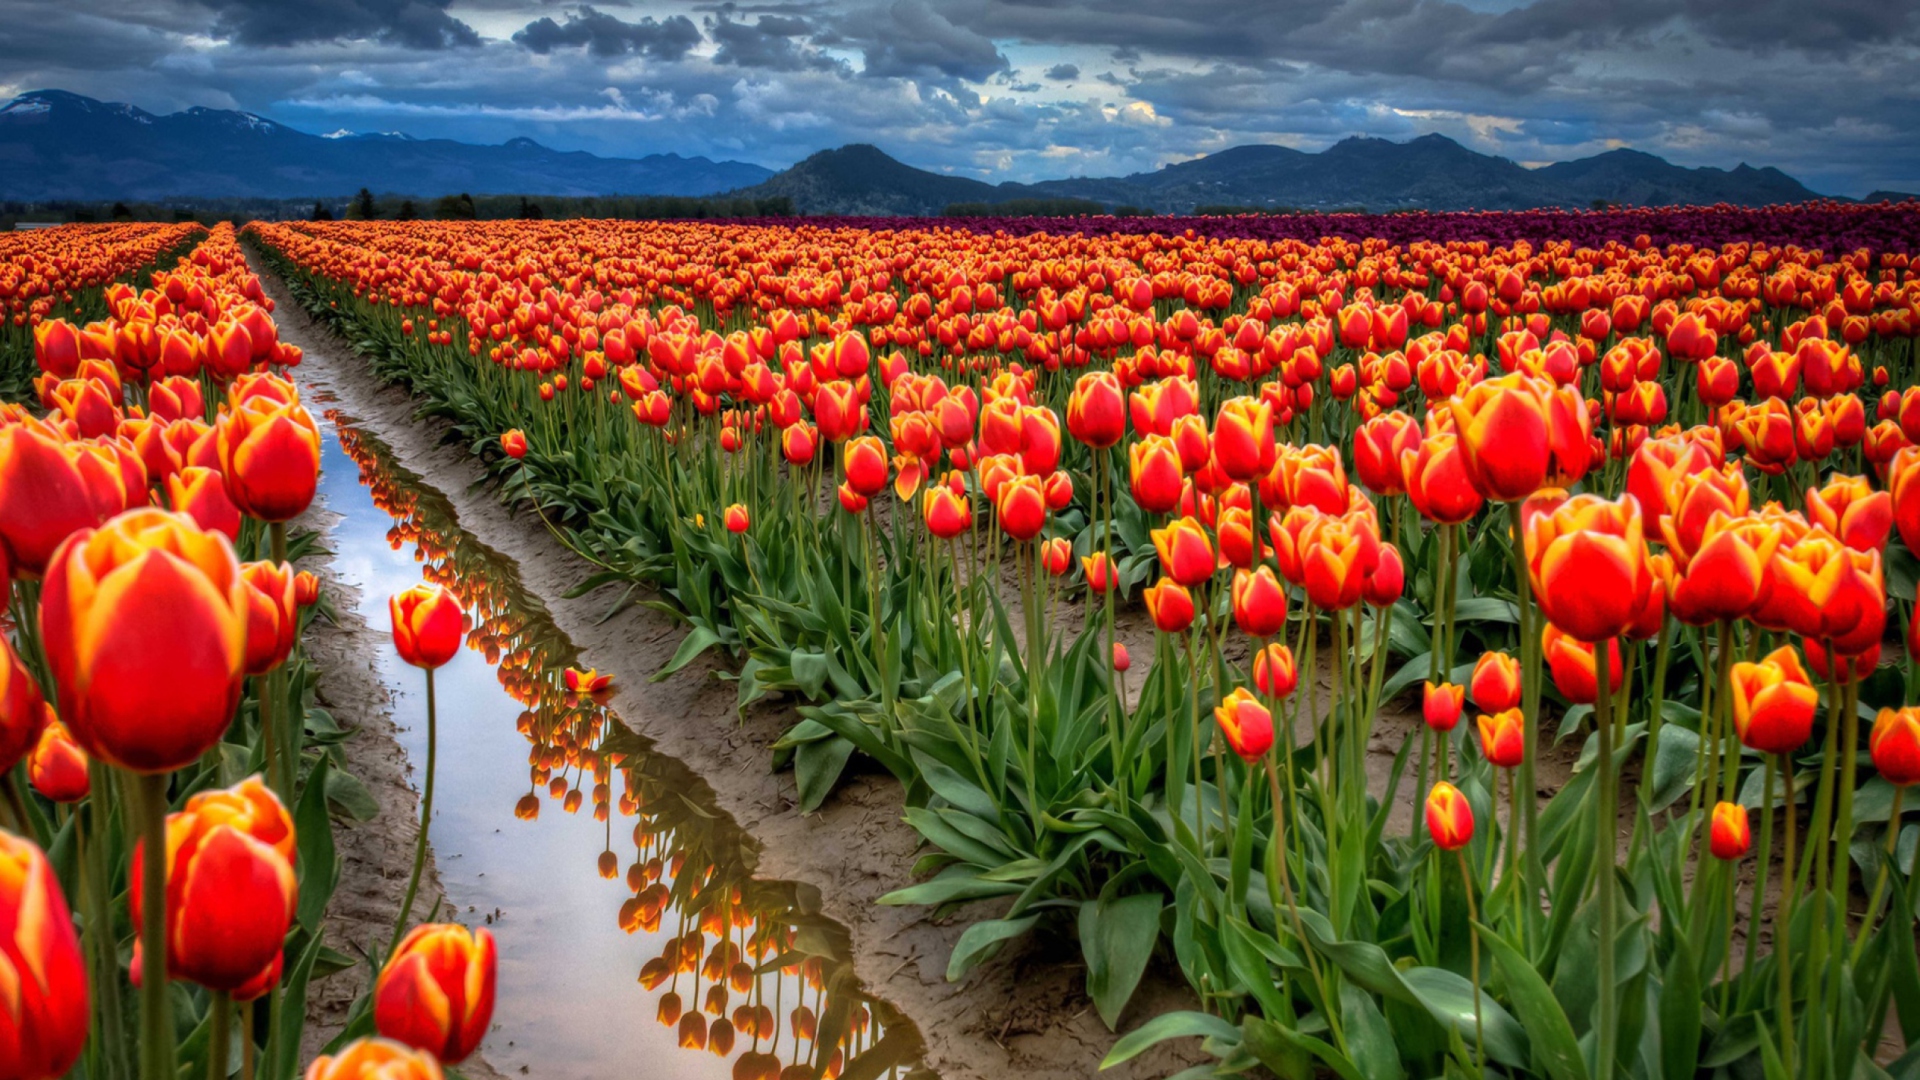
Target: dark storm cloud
[606,36]
[770,43]
[910,39]
[1064,72]
[412,24]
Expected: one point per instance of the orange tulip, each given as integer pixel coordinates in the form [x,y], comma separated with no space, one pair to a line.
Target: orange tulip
[436,992]
[1259,602]
[1691,500]
[428,624]
[22,712]
[1170,605]
[1022,507]
[44,495]
[1449,817]
[1588,562]
[866,465]
[231,891]
[1310,476]
[1503,737]
[1895,745]
[270,456]
[1724,577]
[145,626]
[1245,724]
[1335,561]
[272,615]
[1851,510]
[1186,555]
[1056,555]
[1155,471]
[1243,437]
[44,1024]
[375,1059]
[1516,431]
[1274,673]
[1773,702]
[1823,590]
[1380,446]
[1440,705]
[1438,483]
[1387,581]
[1732,835]
[947,512]
[1903,482]
[736,518]
[514,444]
[1495,684]
[1571,663]
[57,766]
[201,494]
[1097,410]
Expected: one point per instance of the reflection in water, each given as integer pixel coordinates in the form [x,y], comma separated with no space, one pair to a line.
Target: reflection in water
[743,975]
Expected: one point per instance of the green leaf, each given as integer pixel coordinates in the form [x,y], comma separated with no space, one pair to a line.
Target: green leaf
[816,769]
[809,672]
[1173,1025]
[1548,1031]
[1117,937]
[350,796]
[313,830]
[697,641]
[982,940]
[1680,1010]
[1673,767]
[1369,1039]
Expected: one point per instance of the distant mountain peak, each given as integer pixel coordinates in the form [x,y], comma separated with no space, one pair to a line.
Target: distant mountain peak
[59,145]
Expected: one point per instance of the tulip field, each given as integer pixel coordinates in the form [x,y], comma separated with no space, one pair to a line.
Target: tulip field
[1444,645]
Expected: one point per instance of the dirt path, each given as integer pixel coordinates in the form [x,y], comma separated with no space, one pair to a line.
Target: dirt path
[1025,1013]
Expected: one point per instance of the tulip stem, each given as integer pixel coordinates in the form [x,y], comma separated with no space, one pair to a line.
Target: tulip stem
[1758,900]
[274,723]
[156,1013]
[1473,929]
[1783,919]
[246,1041]
[1880,879]
[1606,835]
[426,820]
[221,1035]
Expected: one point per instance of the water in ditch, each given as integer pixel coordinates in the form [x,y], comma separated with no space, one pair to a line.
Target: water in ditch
[633,937]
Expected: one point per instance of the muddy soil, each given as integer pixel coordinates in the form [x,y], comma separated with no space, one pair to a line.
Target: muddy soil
[1025,1012]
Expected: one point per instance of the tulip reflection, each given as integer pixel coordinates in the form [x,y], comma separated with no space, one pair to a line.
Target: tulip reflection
[742,969]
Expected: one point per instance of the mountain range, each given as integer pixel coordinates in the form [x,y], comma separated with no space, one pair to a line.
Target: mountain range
[59,145]
[1431,172]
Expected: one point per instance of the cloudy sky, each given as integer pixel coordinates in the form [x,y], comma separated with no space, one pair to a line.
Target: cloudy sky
[1828,90]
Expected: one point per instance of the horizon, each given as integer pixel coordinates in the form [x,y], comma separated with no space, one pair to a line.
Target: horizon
[999,90]
[344,133]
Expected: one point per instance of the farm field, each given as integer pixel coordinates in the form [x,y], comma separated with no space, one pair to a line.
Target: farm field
[1372,646]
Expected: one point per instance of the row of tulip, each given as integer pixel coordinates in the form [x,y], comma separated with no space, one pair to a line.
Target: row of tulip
[48,274]
[662,393]
[154,696]
[734,966]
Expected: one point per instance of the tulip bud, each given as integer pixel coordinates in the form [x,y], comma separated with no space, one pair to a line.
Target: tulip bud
[270,456]
[1503,737]
[1895,745]
[1440,705]
[428,624]
[1056,555]
[273,617]
[1022,507]
[436,992]
[1122,660]
[1273,671]
[44,1024]
[375,1059]
[145,627]
[1449,817]
[866,465]
[1098,571]
[57,767]
[514,444]
[1773,702]
[1496,682]
[1245,724]
[230,886]
[736,518]
[1732,835]
[1259,602]
[1170,605]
